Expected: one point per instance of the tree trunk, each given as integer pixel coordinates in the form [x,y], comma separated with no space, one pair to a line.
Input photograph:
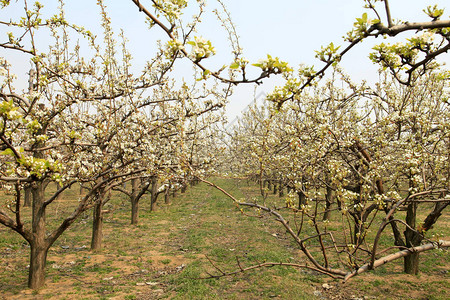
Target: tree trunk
[357,215]
[97,226]
[328,201]
[412,238]
[411,263]
[38,245]
[138,189]
[301,199]
[280,191]
[134,202]
[154,193]
[301,196]
[28,196]
[38,259]
[134,211]
[166,195]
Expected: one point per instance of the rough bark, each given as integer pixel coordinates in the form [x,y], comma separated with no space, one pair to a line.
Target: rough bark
[154,192]
[432,218]
[412,238]
[97,226]
[134,211]
[411,263]
[38,259]
[38,245]
[28,197]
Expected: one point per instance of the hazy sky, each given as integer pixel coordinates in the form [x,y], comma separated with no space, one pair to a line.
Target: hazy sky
[289,29]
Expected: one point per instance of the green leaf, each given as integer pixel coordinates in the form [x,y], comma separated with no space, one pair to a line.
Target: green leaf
[7,151]
[234,66]
[364,17]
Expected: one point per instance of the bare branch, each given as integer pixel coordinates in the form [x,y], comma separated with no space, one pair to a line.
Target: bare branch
[388,13]
[265,265]
[397,255]
[15,47]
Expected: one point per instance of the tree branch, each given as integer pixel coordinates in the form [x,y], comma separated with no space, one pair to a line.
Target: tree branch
[379,28]
[388,13]
[264,265]
[397,255]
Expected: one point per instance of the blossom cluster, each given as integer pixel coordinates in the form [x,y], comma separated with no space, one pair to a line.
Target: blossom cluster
[201,48]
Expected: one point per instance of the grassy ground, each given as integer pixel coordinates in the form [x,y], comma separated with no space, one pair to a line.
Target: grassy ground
[163,257]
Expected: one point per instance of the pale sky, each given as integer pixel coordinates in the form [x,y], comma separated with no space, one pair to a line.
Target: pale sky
[289,29]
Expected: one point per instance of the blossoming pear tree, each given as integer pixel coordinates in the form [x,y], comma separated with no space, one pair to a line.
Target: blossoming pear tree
[362,156]
[47,134]
[85,119]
